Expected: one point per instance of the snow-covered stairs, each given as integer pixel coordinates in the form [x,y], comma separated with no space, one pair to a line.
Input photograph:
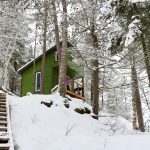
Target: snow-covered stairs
[6,142]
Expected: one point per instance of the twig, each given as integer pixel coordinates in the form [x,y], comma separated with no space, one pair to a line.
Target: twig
[68,129]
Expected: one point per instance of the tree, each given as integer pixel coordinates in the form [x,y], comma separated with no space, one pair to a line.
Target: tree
[57,37]
[134,35]
[63,53]
[44,47]
[13,38]
[136,99]
[90,33]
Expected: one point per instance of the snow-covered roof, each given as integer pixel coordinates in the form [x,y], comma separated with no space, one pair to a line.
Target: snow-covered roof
[53,48]
[24,66]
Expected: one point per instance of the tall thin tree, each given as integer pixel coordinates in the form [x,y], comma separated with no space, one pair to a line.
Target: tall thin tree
[95,65]
[44,47]
[63,60]
[136,99]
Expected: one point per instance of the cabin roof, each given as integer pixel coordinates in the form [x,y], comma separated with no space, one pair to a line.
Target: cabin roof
[53,48]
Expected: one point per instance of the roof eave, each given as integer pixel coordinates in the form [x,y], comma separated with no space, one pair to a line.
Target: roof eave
[39,57]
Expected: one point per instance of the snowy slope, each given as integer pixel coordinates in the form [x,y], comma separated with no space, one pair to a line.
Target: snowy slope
[36,126]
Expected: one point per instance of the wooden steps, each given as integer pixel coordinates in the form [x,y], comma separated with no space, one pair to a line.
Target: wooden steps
[3,114]
[5,136]
[4,140]
[4,129]
[3,123]
[2,103]
[2,118]
[4,146]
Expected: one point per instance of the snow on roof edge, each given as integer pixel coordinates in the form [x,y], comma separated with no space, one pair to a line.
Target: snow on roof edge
[30,62]
[38,57]
[25,65]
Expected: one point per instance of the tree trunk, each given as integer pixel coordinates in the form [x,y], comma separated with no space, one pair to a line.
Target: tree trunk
[63,60]
[44,48]
[135,127]
[143,42]
[95,65]
[33,75]
[146,56]
[137,99]
[56,29]
[92,88]
[95,83]
[57,38]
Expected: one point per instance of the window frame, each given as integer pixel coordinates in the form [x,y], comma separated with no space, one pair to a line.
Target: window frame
[56,56]
[37,90]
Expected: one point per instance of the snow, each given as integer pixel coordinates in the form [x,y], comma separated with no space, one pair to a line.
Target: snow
[25,65]
[1,91]
[133,31]
[36,126]
[134,1]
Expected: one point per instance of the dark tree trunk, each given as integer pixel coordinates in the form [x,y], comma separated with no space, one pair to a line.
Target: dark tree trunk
[95,84]
[44,48]
[63,60]
[57,38]
[134,121]
[134,109]
[95,65]
[137,99]
[56,29]
[146,56]
[33,75]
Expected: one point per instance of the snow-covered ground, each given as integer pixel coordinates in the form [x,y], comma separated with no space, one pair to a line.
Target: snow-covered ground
[36,126]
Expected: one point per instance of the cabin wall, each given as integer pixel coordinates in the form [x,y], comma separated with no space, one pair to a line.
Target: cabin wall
[26,82]
[27,75]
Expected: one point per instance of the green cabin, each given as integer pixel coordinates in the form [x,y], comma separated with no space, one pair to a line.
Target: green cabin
[51,73]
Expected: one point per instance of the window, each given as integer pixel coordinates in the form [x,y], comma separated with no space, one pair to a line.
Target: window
[38,81]
[56,56]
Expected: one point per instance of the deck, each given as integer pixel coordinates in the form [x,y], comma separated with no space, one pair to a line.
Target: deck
[72,94]
[76,88]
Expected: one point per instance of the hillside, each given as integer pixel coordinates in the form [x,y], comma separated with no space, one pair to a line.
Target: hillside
[36,126]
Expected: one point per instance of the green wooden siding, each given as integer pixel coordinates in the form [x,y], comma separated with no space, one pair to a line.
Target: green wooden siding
[27,78]
[51,74]
[55,76]
[26,81]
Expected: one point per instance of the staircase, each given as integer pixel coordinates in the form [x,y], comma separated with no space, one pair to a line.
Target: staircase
[6,142]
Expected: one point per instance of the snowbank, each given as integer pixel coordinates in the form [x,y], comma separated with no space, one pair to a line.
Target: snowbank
[36,126]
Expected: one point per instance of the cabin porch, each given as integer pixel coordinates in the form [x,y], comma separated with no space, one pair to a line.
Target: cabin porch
[76,88]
